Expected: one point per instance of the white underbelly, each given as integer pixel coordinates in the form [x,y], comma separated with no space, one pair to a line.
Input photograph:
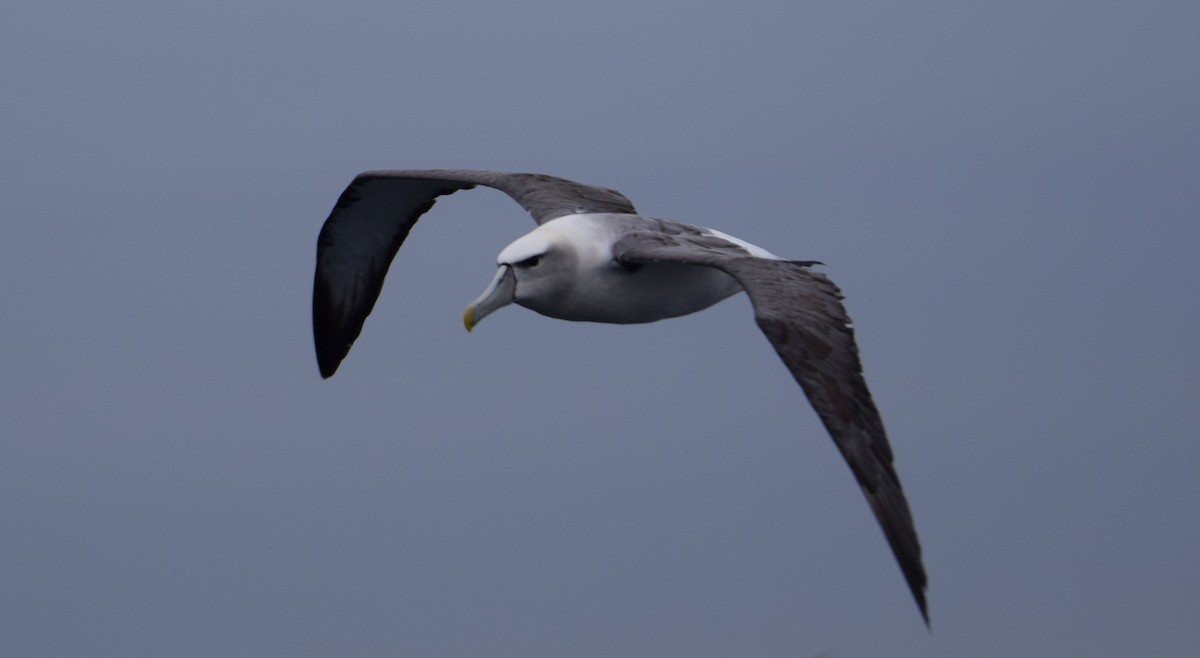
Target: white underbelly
[654,291]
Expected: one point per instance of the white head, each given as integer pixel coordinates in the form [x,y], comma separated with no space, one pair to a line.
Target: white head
[537,271]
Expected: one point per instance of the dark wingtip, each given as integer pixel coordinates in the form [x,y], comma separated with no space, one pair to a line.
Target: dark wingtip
[328,363]
[328,358]
[330,352]
[916,584]
[327,332]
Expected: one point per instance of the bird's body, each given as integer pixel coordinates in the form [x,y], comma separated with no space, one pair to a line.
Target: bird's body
[594,258]
[601,289]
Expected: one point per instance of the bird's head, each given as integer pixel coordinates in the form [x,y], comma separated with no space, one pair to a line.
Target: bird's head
[537,272]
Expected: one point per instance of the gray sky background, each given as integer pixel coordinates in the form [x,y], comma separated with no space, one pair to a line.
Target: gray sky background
[1008,194]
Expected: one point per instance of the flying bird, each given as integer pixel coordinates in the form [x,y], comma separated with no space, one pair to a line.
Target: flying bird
[593,258]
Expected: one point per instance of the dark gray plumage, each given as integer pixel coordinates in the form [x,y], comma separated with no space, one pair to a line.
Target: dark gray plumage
[373,216]
[594,258]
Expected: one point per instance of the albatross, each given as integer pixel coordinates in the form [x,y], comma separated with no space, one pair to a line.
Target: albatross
[593,258]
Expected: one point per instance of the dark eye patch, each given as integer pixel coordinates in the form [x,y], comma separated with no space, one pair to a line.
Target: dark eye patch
[529,262]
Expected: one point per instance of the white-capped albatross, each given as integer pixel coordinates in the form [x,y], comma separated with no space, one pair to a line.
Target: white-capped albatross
[593,258]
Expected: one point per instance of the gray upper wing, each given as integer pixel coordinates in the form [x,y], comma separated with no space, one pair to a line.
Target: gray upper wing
[373,217]
[801,313]
[544,197]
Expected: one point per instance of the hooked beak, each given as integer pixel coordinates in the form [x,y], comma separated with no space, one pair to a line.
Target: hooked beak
[500,292]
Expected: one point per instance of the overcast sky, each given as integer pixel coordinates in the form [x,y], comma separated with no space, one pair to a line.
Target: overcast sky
[1009,196]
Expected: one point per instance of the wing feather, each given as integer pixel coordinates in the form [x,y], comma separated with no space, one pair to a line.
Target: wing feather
[374,215]
[800,312]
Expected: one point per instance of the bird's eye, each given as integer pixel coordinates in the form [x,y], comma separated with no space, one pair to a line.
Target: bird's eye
[529,262]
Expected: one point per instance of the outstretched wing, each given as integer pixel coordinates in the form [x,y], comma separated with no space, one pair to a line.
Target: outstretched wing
[801,313]
[373,217]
